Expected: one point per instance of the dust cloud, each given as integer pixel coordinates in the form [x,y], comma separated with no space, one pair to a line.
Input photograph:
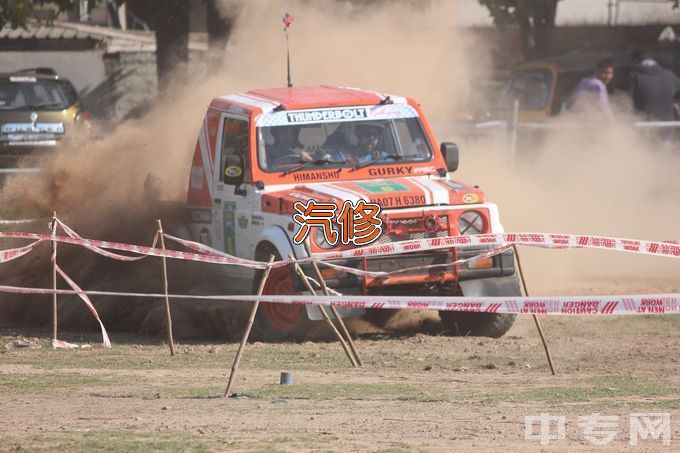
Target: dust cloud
[608,180]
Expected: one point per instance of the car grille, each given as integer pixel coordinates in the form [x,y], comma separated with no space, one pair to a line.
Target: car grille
[415,228]
[389,264]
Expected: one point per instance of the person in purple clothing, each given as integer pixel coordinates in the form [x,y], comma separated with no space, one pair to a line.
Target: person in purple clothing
[590,95]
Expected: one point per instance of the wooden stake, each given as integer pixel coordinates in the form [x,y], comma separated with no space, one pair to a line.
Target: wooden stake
[54,276]
[342,341]
[249,326]
[334,310]
[536,321]
[168,317]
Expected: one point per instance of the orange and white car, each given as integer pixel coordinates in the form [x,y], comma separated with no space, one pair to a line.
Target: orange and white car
[245,181]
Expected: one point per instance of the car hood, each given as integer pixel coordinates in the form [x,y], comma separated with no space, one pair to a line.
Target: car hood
[393,193]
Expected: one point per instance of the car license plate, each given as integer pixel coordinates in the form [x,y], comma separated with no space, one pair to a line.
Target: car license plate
[53,128]
[33,143]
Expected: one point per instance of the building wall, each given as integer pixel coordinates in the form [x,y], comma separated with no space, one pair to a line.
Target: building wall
[113,86]
[132,83]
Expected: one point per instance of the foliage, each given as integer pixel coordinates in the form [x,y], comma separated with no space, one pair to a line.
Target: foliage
[507,12]
[18,12]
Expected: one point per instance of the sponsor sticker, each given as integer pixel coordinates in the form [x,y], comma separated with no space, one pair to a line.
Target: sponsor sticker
[257,220]
[197,178]
[328,175]
[229,227]
[200,215]
[243,222]
[205,237]
[327,115]
[233,171]
[470,198]
[383,186]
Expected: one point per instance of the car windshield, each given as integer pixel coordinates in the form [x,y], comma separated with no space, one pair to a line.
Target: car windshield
[36,95]
[351,144]
[531,87]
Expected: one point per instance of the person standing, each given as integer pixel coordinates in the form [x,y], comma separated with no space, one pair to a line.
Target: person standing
[590,95]
[653,88]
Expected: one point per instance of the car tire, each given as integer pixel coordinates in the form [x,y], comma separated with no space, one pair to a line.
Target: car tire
[476,324]
[281,322]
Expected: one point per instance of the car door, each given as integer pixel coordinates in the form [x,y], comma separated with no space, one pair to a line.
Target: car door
[233,205]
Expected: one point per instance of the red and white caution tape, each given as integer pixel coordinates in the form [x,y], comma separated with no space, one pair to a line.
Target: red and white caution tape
[99,250]
[11,254]
[646,304]
[60,344]
[561,241]
[202,248]
[83,295]
[138,249]
[20,222]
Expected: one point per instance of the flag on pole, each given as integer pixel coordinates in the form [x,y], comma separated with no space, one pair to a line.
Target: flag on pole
[287,20]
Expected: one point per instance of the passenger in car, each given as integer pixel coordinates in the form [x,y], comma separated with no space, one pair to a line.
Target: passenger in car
[286,147]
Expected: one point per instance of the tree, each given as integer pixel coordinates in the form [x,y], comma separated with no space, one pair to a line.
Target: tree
[18,12]
[172,41]
[535,18]
[171,25]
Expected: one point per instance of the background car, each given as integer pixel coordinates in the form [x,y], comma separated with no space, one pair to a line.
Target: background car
[37,109]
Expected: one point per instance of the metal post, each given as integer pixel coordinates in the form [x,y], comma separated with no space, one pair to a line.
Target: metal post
[536,321]
[249,326]
[168,317]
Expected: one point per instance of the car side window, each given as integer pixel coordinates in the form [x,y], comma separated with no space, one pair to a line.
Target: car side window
[235,141]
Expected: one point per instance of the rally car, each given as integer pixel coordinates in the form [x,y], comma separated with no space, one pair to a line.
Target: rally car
[260,152]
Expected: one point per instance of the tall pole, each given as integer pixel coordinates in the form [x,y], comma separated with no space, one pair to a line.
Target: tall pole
[168,317]
[54,275]
[290,83]
[249,326]
[536,321]
[336,314]
[325,316]
[513,130]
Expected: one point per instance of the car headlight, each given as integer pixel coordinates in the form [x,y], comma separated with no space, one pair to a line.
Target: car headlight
[470,222]
[320,239]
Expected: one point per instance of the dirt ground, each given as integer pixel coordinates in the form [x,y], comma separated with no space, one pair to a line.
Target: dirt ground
[416,392]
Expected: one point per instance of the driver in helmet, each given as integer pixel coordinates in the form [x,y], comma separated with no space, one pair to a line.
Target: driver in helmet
[369,143]
[286,144]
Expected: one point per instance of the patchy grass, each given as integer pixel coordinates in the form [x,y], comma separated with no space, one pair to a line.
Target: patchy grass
[593,388]
[416,392]
[128,441]
[39,381]
[356,391]
[619,326]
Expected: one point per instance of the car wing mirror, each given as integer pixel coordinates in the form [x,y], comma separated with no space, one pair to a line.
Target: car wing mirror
[450,152]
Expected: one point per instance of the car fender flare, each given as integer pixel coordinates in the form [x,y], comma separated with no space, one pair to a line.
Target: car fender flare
[277,236]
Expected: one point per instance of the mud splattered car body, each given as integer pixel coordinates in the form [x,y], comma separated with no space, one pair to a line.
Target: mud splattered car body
[242,193]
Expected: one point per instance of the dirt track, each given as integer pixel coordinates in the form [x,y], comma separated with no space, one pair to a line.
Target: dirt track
[416,392]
